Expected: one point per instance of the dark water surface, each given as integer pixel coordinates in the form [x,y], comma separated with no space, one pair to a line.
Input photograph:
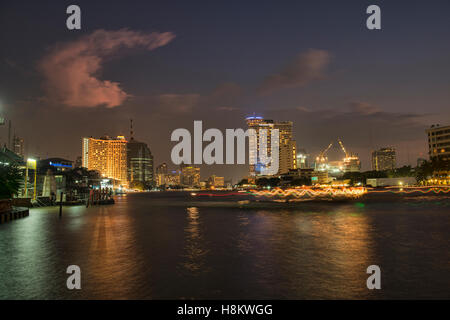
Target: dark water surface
[140,249]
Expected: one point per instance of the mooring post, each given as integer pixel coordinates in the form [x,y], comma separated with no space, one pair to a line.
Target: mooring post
[60,205]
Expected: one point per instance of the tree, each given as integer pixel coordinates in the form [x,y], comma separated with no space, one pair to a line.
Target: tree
[429,168]
[271,182]
[405,171]
[361,177]
[10,179]
[242,182]
[301,182]
[137,185]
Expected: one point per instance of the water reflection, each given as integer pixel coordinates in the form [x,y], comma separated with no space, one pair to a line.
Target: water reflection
[195,249]
[243,238]
[113,254]
[136,249]
[343,241]
[334,246]
[29,263]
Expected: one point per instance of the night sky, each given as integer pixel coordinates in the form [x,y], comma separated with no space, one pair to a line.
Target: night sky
[168,63]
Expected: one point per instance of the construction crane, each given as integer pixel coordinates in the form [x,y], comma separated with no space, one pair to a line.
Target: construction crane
[321,157]
[351,160]
[343,148]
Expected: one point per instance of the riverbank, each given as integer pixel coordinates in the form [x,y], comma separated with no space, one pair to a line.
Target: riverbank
[13,214]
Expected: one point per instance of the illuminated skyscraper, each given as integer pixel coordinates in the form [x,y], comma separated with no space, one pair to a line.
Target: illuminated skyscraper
[190,175]
[161,173]
[173,178]
[140,163]
[439,142]
[107,156]
[383,159]
[287,145]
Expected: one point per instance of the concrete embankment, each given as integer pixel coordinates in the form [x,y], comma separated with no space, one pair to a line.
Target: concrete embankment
[13,214]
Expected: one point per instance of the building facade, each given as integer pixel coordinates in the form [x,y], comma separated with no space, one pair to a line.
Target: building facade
[384,159]
[216,182]
[286,144]
[108,156]
[190,176]
[54,164]
[173,179]
[439,142]
[140,164]
[19,146]
[161,173]
[302,159]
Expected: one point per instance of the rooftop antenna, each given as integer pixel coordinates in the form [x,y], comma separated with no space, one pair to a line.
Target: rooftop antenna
[131,129]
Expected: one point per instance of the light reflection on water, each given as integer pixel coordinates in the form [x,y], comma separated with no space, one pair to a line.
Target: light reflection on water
[194,261]
[137,250]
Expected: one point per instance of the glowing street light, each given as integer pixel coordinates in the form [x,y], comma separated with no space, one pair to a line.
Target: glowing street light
[31,163]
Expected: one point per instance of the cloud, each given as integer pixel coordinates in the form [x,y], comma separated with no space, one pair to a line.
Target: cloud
[303,109]
[358,123]
[177,103]
[227,109]
[363,108]
[71,69]
[307,67]
[361,125]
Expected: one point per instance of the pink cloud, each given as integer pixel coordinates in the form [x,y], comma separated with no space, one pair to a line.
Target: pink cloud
[70,69]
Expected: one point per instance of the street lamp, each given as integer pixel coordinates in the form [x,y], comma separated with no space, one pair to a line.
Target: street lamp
[33,164]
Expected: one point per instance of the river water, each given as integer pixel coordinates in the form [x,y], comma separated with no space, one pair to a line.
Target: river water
[159,246]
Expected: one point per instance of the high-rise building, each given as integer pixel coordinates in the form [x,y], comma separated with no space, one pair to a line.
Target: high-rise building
[161,173]
[108,156]
[18,146]
[140,163]
[190,175]
[216,182]
[302,159]
[173,178]
[439,142]
[287,145]
[383,159]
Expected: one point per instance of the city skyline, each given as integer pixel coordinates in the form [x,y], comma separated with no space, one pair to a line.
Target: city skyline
[225,155]
[321,71]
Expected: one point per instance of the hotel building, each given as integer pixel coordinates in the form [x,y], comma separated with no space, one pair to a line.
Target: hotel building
[108,156]
[439,142]
[287,145]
